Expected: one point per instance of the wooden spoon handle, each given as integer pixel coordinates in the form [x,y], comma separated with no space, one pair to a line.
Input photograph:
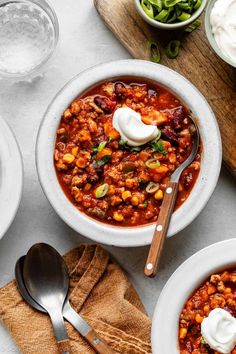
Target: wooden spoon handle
[161,229]
[97,343]
[64,347]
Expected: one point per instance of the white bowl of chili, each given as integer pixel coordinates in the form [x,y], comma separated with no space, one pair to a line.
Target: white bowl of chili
[213,259]
[114,234]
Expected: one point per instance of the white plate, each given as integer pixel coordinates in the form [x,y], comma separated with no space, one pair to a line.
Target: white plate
[187,278]
[11,177]
[211,157]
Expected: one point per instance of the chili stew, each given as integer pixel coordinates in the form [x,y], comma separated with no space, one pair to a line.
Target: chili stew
[106,178]
[219,291]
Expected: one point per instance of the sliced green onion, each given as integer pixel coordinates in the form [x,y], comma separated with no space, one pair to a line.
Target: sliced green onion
[153,163]
[172,49]
[147,8]
[158,135]
[152,187]
[101,146]
[184,17]
[157,4]
[169,3]
[162,16]
[193,26]
[198,3]
[155,54]
[173,18]
[101,191]
[170,11]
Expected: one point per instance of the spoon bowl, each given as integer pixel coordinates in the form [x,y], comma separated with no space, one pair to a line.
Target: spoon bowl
[69,313]
[47,281]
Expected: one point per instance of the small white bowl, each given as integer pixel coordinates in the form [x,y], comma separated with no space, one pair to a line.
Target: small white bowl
[211,157]
[211,37]
[187,278]
[170,26]
[11,177]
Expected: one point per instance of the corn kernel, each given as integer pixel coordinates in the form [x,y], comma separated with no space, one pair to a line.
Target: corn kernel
[158,195]
[111,190]
[68,158]
[206,308]
[134,200]
[198,318]
[129,182]
[87,187]
[118,217]
[182,333]
[126,195]
[75,151]
[81,162]
[227,291]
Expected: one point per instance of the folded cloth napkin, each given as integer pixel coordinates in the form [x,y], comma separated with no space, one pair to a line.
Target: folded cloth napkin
[100,292]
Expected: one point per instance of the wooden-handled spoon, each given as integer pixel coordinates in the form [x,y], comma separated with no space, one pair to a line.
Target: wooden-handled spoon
[166,210]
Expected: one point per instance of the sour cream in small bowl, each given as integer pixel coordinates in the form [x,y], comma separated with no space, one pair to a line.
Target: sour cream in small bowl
[220,24]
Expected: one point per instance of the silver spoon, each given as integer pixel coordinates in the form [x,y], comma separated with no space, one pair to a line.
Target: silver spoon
[47,281]
[167,207]
[68,312]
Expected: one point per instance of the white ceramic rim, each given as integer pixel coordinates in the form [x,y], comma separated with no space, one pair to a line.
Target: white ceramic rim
[11,177]
[187,278]
[170,26]
[211,38]
[211,160]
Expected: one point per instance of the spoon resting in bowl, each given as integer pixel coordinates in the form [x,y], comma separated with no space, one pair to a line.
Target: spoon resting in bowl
[167,207]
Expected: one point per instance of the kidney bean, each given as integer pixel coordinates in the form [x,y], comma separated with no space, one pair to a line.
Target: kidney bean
[176,116]
[104,103]
[119,90]
[169,133]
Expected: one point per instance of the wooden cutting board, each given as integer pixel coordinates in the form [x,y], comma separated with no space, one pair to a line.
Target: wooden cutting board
[197,62]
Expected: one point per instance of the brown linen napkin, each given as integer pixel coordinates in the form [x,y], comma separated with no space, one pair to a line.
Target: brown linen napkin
[100,291]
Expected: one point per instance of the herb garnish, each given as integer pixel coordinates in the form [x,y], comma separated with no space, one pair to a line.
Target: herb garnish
[123,144]
[159,147]
[136,149]
[103,161]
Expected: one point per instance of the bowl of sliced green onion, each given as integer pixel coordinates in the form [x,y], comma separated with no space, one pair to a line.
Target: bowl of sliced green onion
[170,14]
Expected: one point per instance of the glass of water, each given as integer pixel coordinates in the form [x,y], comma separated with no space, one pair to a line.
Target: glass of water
[29,34]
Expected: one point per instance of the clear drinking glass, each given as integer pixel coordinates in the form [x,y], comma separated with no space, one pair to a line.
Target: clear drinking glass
[29,33]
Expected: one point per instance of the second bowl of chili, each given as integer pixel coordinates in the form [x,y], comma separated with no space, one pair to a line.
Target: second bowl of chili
[99,183]
[210,287]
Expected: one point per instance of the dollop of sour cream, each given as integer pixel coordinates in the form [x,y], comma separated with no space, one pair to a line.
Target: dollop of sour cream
[219,331]
[223,22]
[131,128]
